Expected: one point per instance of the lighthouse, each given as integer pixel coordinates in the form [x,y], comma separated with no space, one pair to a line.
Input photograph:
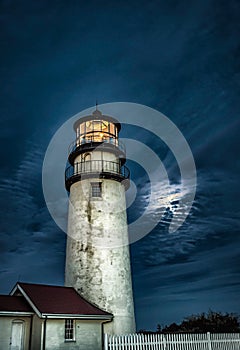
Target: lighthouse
[97,252]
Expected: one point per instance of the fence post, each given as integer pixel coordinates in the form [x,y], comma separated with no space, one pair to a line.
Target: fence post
[105,342]
[209,341]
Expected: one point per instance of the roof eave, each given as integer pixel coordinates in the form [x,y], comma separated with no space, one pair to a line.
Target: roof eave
[16,313]
[78,316]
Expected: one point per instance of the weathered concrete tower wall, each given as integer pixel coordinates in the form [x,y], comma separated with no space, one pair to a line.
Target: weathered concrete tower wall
[97,256]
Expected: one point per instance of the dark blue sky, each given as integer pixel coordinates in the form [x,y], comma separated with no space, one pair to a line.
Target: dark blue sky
[179,57]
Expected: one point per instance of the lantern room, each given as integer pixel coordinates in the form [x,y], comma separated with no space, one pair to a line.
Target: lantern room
[97,150]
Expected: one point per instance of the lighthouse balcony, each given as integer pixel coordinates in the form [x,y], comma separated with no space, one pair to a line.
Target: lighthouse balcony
[91,143]
[102,169]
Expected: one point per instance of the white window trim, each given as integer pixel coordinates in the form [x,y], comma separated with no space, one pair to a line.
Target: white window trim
[73,339]
[97,184]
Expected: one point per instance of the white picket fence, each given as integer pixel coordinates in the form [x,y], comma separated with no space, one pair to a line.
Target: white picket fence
[206,341]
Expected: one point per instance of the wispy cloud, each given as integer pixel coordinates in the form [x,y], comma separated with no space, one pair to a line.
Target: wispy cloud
[27,229]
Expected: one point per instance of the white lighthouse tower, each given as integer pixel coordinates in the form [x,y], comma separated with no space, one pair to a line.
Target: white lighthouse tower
[97,257]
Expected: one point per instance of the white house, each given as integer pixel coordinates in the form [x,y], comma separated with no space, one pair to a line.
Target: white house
[44,317]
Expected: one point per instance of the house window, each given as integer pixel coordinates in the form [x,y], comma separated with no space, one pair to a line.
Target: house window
[69,330]
[96,189]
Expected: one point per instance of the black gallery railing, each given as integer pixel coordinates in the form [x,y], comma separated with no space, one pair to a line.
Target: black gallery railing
[97,166]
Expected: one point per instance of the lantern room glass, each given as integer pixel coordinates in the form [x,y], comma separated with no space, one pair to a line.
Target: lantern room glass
[97,131]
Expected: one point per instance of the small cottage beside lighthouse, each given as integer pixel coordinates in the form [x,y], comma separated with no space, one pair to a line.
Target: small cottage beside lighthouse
[97,255]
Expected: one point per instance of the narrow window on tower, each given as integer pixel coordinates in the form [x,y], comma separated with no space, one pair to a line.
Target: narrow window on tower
[69,330]
[96,189]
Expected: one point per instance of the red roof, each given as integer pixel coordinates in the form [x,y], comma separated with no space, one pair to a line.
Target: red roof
[12,303]
[59,300]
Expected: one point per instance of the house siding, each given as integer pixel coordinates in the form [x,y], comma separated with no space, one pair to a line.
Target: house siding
[37,329]
[88,335]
